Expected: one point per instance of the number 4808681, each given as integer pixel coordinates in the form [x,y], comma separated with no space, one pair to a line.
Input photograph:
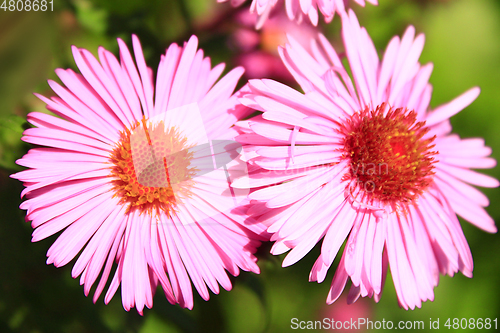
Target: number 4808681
[471,323]
[27,5]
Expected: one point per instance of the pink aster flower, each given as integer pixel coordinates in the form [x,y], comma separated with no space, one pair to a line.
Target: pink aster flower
[128,176]
[296,10]
[259,49]
[365,162]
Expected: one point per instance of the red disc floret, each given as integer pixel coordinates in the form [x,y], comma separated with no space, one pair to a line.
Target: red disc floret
[389,159]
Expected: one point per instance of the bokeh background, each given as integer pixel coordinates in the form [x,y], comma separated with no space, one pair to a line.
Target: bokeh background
[463,42]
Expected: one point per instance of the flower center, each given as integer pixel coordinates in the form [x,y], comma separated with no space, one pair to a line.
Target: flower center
[390,161]
[152,167]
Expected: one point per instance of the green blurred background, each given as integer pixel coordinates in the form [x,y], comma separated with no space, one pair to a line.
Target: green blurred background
[463,42]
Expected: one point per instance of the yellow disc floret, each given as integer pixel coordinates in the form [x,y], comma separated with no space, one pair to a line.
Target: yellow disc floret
[152,167]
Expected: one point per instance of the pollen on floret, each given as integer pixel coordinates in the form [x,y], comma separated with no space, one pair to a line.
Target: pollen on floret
[151,167]
[390,161]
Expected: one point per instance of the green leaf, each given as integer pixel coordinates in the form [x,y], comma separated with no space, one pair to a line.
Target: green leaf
[11,146]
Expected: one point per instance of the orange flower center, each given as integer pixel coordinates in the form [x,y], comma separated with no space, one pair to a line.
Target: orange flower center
[389,160]
[152,167]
